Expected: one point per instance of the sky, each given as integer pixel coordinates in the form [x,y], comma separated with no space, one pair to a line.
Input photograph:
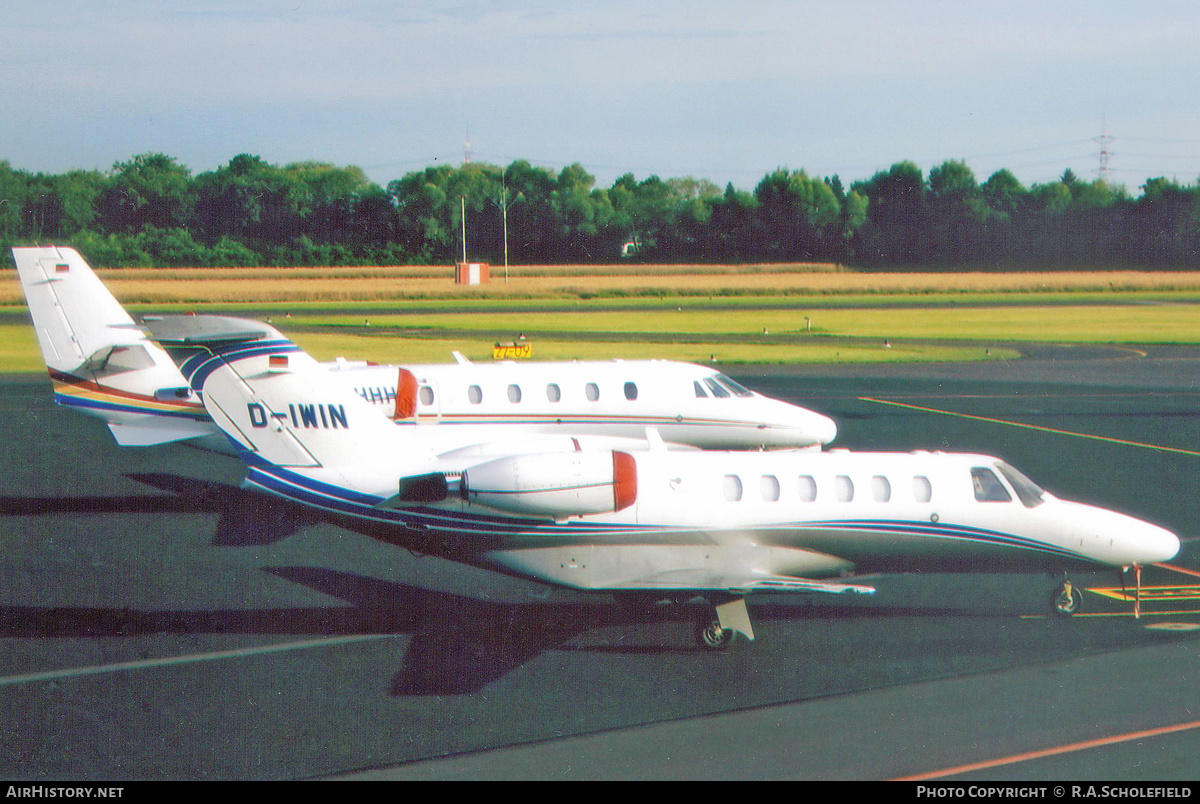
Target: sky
[715,90]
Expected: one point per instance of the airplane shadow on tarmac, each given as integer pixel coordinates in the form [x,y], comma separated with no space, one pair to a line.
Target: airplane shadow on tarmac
[246,517]
[458,643]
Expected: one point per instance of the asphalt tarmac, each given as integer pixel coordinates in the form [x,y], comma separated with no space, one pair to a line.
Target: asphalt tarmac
[157,622]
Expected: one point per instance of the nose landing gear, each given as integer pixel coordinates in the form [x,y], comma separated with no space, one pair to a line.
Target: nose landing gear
[1137,589]
[1066,600]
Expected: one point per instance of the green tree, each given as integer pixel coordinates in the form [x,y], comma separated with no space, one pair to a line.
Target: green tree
[14,191]
[150,189]
[250,201]
[80,192]
[1006,199]
[895,230]
[532,223]
[956,213]
[580,215]
[801,217]
[734,231]
[1003,193]
[325,197]
[1165,224]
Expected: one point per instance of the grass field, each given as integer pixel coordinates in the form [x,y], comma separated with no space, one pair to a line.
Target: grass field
[1113,323]
[407,283]
[749,314]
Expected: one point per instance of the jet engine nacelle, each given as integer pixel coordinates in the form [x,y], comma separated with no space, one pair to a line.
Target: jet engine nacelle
[554,484]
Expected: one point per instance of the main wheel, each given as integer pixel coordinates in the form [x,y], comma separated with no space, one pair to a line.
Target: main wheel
[1066,600]
[711,636]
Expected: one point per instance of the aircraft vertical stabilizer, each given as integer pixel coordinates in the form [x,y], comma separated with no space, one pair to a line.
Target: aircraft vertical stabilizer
[283,410]
[99,359]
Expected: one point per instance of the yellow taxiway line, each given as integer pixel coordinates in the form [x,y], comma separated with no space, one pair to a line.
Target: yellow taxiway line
[1022,425]
[1050,752]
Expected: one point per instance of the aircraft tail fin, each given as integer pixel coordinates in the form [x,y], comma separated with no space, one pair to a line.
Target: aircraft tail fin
[283,410]
[74,314]
[100,360]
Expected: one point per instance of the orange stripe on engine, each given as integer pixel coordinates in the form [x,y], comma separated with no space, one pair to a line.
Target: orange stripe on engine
[624,480]
[406,395]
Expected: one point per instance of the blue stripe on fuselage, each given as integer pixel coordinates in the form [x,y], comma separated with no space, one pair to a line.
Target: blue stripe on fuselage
[338,499]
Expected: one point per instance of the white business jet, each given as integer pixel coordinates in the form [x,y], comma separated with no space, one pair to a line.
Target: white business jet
[104,364]
[581,513]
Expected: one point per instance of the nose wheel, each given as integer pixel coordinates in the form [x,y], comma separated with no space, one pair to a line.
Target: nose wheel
[1066,600]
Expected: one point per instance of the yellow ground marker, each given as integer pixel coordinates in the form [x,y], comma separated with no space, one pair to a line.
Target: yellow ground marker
[1148,594]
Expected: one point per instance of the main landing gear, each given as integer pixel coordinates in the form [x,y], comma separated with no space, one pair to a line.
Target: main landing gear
[1066,600]
[711,636]
[719,626]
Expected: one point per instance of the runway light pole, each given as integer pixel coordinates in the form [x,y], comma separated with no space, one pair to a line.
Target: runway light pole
[504,214]
[464,227]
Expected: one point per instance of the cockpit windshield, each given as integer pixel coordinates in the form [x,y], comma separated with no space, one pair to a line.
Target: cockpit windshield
[1029,493]
[737,388]
[717,389]
[988,487]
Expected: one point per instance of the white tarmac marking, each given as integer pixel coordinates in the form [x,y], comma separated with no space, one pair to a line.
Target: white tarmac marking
[75,672]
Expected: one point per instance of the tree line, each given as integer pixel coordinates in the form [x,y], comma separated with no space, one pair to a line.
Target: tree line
[151,210]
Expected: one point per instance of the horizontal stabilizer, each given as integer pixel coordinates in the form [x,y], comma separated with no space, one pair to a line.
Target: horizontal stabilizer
[190,330]
[132,435]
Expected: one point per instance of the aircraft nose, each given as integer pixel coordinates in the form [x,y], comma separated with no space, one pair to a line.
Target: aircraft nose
[1116,538]
[1159,544]
[824,429]
[1143,542]
[787,425]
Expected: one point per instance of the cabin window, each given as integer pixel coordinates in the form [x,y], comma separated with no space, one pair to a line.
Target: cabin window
[808,488]
[553,392]
[475,394]
[988,487]
[631,391]
[881,488]
[1029,493]
[734,386]
[700,392]
[768,485]
[514,393]
[922,489]
[715,387]
[732,486]
[592,391]
[426,395]
[843,488]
